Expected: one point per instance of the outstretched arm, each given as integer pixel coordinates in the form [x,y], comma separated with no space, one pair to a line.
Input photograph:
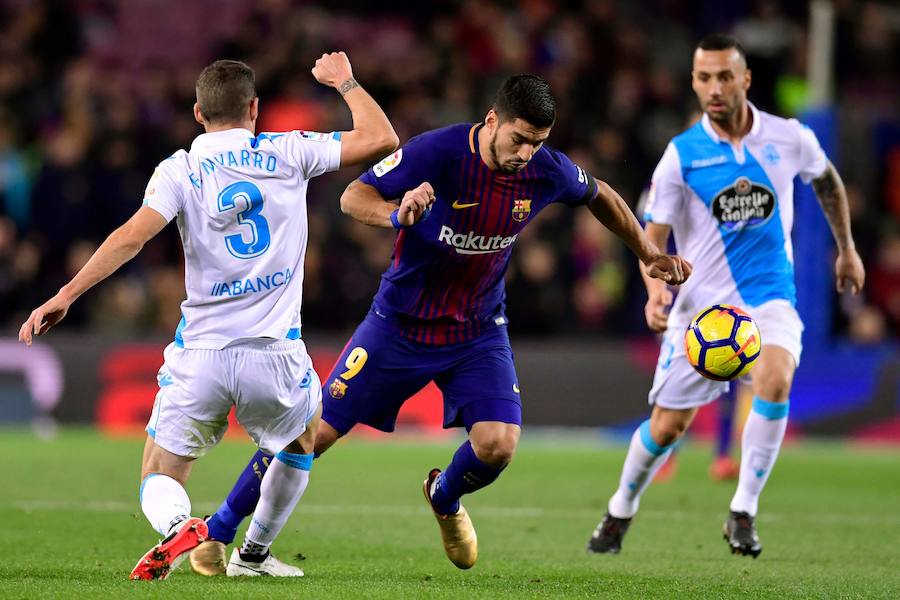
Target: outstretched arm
[373,135]
[122,245]
[848,269]
[609,208]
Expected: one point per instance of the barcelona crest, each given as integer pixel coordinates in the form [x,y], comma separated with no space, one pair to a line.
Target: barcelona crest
[337,389]
[521,209]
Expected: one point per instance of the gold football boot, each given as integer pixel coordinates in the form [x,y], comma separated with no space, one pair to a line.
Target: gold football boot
[209,558]
[457,531]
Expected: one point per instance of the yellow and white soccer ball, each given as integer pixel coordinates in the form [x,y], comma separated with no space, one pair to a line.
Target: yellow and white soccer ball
[722,342]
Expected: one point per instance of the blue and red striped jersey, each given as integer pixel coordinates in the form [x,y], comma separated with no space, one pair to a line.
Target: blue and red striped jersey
[445,281]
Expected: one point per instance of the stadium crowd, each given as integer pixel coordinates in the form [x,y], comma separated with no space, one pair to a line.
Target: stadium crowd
[94,93]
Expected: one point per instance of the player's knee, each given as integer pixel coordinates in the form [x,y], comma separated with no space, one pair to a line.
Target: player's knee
[667,427]
[326,436]
[496,450]
[305,444]
[772,378]
[774,386]
[159,461]
[495,453]
[776,391]
[299,447]
[669,434]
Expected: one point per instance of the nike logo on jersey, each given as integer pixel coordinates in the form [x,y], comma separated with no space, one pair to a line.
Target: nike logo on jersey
[457,205]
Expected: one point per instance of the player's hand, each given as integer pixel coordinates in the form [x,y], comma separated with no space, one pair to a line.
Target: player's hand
[333,69]
[44,317]
[657,309]
[672,269]
[849,272]
[415,203]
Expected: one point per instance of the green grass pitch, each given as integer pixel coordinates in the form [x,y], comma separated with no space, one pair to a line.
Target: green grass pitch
[72,526]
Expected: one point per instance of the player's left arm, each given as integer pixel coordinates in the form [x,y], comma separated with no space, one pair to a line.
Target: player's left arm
[610,209]
[372,135]
[122,245]
[848,268]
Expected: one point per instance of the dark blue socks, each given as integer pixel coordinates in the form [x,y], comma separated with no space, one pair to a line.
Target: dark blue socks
[726,421]
[241,501]
[465,474]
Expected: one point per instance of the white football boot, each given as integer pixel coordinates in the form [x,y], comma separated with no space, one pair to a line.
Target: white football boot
[270,566]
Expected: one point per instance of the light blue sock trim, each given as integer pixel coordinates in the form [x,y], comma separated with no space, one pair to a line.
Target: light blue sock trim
[770,410]
[651,446]
[303,462]
[143,483]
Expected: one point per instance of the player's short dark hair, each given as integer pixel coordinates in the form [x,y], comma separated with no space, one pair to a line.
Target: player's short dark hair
[721,41]
[526,97]
[224,89]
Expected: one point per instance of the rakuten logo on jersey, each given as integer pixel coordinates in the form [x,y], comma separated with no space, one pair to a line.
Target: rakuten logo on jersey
[471,243]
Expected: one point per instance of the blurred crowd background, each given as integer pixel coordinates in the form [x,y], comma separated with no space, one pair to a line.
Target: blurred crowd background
[94,93]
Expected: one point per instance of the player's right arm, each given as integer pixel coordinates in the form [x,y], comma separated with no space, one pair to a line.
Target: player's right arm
[659,298]
[372,135]
[664,204]
[365,203]
[122,245]
[406,174]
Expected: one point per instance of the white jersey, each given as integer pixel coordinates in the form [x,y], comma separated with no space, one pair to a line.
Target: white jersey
[731,210]
[240,200]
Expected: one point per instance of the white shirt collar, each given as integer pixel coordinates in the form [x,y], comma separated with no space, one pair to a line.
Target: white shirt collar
[218,138]
[754,128]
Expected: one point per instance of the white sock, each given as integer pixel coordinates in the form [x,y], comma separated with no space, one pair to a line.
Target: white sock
[281,489]
[164,502]
[644,459]
[763,433]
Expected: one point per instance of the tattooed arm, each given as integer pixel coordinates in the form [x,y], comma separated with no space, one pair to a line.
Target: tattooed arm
[848,269]
[373,135]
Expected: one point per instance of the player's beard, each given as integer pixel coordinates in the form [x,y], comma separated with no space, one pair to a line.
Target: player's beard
[724,116]
[503,168]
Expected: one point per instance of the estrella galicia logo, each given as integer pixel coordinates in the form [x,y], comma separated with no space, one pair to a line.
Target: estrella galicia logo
[770,154]
[744,203]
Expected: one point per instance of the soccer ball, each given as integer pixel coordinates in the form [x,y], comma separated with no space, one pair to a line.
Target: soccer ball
[722,342]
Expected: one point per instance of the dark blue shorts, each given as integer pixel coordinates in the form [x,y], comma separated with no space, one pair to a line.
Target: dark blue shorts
[379,370]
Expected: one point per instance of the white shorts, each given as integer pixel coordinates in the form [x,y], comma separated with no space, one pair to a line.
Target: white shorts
[677,385]
[271,384]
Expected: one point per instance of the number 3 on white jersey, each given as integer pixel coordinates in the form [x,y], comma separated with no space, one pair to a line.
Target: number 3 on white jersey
[251,216]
